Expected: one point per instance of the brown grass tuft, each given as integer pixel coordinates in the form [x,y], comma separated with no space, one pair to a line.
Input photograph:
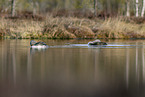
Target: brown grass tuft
[70,27]
[81,31]
[117,28]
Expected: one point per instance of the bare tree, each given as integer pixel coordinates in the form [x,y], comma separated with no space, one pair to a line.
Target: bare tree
[128,8]
[143,9]
[35,6]
[136,8]
[13,7]
[108,7]
[95,7]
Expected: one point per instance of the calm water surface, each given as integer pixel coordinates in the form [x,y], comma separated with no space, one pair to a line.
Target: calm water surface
[71,68]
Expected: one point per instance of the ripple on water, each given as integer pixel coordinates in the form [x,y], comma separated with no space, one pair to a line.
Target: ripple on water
[96,46]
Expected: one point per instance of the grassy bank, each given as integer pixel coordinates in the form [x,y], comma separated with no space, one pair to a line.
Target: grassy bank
[70,27]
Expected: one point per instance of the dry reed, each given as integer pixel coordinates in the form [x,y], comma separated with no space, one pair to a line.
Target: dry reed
[71,27]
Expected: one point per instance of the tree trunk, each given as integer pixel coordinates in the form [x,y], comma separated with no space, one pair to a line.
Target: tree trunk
[128,8]
[67,4]
[143,8]
[13,8]
[35,6]
[95,8]
[136,8]
[108,7]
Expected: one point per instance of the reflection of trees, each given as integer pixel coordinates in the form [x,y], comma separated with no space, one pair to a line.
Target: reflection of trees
[143,67]
[11,60]
[136,58]
[127,67]
[73,66]
[137,71]
[135,67]
[14,64]
[112,62]
[29,65]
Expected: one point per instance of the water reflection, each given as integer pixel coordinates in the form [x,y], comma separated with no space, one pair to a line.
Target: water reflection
[127,68]
[29,64]
[143,67]
[14,65]
[73,72]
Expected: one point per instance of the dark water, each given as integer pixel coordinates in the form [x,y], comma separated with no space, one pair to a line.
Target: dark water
[71,68]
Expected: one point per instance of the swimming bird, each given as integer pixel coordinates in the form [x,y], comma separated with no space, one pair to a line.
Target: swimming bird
[97,42]
[39,44]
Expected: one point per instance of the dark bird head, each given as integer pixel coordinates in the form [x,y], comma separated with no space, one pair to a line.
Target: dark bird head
[32,42]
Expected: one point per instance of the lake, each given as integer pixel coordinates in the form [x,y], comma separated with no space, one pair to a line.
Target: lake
[71,68]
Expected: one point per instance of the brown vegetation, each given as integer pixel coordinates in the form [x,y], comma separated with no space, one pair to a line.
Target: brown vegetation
[71,27]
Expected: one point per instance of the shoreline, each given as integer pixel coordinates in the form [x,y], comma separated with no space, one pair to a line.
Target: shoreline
[71,28]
